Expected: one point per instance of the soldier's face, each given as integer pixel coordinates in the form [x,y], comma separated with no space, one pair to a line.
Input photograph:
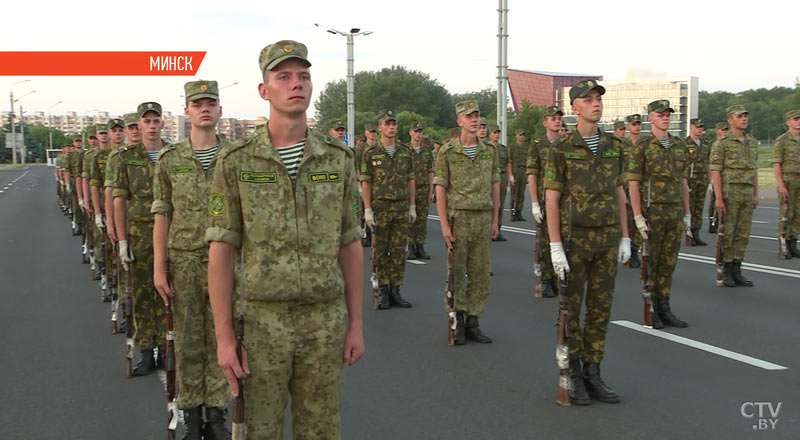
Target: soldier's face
[416,135]
[133,134]
[470,122]
[590,107]
[287,87]
[117,134]
[738,121]
[203,112]
[388,128]
[793,123]
[150,124]
[635,128]
[337,133]
[482,131]
[552,123]
[77,143]
[563,130]
[620,132]
[93,141]
[721,132]
[520,137]
[102,137]
[494,136]
[660,120]
[370,135]
[697,131]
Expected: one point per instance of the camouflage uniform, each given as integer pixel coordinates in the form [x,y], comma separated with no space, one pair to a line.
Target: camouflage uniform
[388,177]
[590,230]
[518,154]
[180,192]
[537,157]
[787,153]
[697,169]
[112,162]
[96,174]
[295,314]
[75,163]
[502,161]
[132,179]
[660,172]
[468,184]
[636,239]
[423,168]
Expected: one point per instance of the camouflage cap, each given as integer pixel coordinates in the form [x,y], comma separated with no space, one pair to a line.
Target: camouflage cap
[416,126]
[467,107]
[194,90]
[369,126]
[619,124]
[519,131]
[114,122]
[659,106]
[336,124]
[100,128]
[552,111]
[91,131]
[483,121]
[721,126]
[281,51]
[493,128]
[697,122]
[148,107]
[582,88]
[634,118]
[736,109]
[791,114]
[130,119]
[386,115]
[76,137]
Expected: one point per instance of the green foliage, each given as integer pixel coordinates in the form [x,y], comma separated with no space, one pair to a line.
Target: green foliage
[487,102]
[530,118]
[766,106]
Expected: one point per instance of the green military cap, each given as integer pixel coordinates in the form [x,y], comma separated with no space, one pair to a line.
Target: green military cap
[194,90]
[697,122]
[493,128]
[483,121]
[552,111]
[619,124]
[148,107]
[519,131]
[659,105]
[582,88]
[114,122]
[736,109]
[101,128]
[336,124]
[416,126]
[455,130]
[369,126]
[281,51]
[467,107]
[76,137]
[634,118]
[91,131]
[721,126]
[386,115]
[130,119]
[791,114]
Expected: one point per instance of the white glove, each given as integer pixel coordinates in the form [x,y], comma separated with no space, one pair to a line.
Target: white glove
[560,265]
[624,250]
[710,188]
[537,212]
[360,191]
[125,255]
[69,188]
[98,220]
[687,221]
[412,213]
[641,225]
[511,179]
[80,203]
[369,217]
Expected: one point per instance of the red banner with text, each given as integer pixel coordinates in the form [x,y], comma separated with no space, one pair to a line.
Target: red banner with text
[179,63]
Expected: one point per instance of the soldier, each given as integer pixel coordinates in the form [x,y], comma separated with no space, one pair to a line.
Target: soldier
[634,125]
[585,200]
[657,174]
[88,203]
[422,159]
[537,156]
[370,133]
[468,197]
[518,154]
[504,165]
[786,164]
[387,185]
[75,165]
[302,274]
[132,133]
[733,164]
[132,171]
[181,188]
[720,129]
[619,129]
[94,169]
[61,173]
[697,161]
[336,129]
[360,139]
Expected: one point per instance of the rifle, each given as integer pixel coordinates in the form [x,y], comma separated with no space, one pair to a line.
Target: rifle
[720,263]
[115,303]
[783,248]
[169,369]
[448,293]
[537,265]
[238,427]
[129,325]
[562,350]
[645,277]
[374,276]
[84,234]
[90,250]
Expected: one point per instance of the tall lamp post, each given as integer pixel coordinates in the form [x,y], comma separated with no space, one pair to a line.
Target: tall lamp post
[21,128]
[351,92]
[50,123]
[11,120]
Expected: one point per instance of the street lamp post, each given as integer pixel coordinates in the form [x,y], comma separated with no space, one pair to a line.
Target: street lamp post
[50,123]
[21,128]
[11,120]
[351,92]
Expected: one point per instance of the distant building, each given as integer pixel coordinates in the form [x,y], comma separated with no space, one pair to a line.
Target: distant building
[541,88]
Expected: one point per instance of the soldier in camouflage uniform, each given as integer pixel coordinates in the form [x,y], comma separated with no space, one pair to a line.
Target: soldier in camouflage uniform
[303,266]
[537,156]
[422,158]
[132,133]
[504,165]
[518,154]
[132,173]
[75,164]
[468,197]
[721,128]
[697,161]
[733,164]
[370,133]
[94,170]
[786,164]
[387,187]
[585,199]
[181,188]
[336,129]
[619,129]
[657,172]
[634,126]
[88,203]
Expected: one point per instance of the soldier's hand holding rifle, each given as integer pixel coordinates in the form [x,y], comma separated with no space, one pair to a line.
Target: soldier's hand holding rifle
[559,257]
[412,213]
[641,225]
[369,217]
[536,210]
[125,255]
[624,250]
[98,220]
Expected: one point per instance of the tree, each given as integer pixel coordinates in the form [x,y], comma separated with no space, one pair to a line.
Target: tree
[530,119]
[766,107]
[487,102]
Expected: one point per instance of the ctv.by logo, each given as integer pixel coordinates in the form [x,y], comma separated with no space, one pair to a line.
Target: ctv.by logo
[765,413]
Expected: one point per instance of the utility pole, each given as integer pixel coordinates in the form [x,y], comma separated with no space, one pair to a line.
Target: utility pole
[502,68]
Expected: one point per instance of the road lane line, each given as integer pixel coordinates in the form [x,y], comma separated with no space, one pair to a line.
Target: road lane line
[702,346]
[417,262]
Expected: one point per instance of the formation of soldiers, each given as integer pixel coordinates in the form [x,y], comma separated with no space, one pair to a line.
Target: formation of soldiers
[275,216]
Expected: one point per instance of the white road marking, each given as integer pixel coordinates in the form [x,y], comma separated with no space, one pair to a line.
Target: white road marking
[702,346]
[758,221]
[416,262]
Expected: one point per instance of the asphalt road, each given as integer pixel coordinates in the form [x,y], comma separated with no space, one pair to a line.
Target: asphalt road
[63,369]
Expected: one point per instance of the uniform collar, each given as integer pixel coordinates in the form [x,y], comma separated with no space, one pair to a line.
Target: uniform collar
[265,150]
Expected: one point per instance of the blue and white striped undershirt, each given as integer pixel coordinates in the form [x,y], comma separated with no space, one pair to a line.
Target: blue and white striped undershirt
[471,151]
[153,155]
[291,157]
[664,143]
[389,151]
[205,156]
[592,142]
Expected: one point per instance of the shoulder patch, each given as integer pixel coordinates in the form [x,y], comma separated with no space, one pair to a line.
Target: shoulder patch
[216,204]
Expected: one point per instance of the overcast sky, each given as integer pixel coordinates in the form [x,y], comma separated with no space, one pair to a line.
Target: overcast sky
[729,47]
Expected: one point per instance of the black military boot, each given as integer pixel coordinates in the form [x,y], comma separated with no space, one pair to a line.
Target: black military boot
[634,262]
[727,275]
[696,238]
[655,316]
[193,423]
[214,428]
[738,278]
[161,360]
[547,288]
[459,335]
[666,315]
[595,386]
[146,364]
[396,300]
[411,251]
[383,297]
[792,245]
[474,332]
[577,389]
[421,254]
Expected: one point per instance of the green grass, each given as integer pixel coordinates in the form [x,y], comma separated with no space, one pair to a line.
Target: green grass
[765,157]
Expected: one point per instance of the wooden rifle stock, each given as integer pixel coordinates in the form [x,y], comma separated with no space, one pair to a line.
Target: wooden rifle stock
[169,369]
[562,351]
[90,249]
[238,427]
[720,263]
[374,275]
[783,248]
[537,265]
[647,320]
[129,325]
[449,296]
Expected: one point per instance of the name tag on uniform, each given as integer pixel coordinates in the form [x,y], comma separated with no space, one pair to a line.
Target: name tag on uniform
[258,177]
[101,161]
[377,156]
[331,176]
[182,169]
[610,153]
[574,155]
[136,162]
[402,155]
[486,156]
[457,160]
